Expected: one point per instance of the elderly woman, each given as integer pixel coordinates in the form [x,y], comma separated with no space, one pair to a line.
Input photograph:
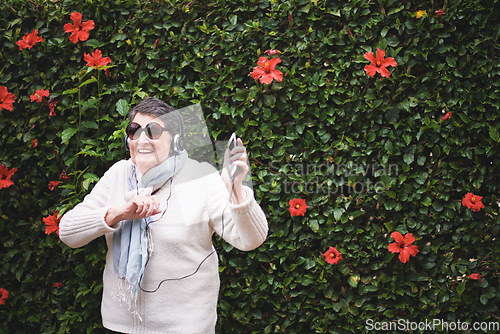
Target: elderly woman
[158,211]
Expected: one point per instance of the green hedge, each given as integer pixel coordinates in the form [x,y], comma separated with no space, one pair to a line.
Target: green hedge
[370,155]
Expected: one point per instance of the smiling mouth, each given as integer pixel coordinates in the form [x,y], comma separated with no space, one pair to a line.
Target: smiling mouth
[145,151]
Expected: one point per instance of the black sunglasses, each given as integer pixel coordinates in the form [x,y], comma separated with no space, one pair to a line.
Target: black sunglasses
[153,130]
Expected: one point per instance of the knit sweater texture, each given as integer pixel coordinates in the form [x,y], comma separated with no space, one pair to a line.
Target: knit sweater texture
[180,286]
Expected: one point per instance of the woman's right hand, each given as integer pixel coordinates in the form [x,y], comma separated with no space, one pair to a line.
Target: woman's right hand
[139,206]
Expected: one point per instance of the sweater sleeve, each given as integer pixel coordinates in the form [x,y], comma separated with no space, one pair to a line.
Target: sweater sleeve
[85,222]
[243,225]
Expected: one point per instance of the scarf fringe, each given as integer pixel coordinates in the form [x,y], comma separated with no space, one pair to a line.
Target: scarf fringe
[125,295]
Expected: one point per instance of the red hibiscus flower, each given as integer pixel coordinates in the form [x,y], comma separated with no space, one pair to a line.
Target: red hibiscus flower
[95,59]
[6,99]
[64,176]
[57,285]
[473,202]
[39,94]
[52,104]
[403,246]
[272,52]
[52,223]
[53,184]
[332,255]
[439,12]
[4,294]
[29,40]
[297,207]
[476,276]
[379,64]
[445,117]
[5,175]
[266,70]
[79,30]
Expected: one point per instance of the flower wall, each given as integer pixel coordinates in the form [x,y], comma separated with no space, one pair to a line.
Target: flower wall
[373,133]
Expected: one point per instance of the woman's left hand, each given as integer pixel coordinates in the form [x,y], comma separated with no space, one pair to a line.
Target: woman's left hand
[236,157]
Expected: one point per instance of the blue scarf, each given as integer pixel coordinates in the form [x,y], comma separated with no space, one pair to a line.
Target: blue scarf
[130,242]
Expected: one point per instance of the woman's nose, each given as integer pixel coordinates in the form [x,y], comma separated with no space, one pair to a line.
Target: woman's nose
[143,137]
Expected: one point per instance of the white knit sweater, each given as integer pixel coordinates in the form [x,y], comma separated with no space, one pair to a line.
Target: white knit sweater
[196,204]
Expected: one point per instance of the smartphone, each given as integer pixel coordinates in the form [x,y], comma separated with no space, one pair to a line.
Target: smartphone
[232,143]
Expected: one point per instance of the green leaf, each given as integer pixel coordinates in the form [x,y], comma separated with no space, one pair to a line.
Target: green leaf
[353,280]
[494,134]
[71,91]
[90,125]
[464,117]
[300,128]
[451,62]
[67,134]
[14,22]
[392,41]
[438,206]
[89,81]
[484,299]
[314,225]
[408,158]
[407,138]
[427,201]
[89,178]
[337,213]
[269,100]
[94,43]
[240,95]
[337,307]
[122,107]
[388,146]
[233,19]
[390,194]
[461,287]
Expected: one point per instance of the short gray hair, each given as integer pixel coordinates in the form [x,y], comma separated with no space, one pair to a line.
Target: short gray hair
[154,107]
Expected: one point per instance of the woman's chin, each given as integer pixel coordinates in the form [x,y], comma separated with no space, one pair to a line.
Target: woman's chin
[145,162]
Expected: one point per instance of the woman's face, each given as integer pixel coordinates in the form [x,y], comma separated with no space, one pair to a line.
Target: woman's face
[145,152]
